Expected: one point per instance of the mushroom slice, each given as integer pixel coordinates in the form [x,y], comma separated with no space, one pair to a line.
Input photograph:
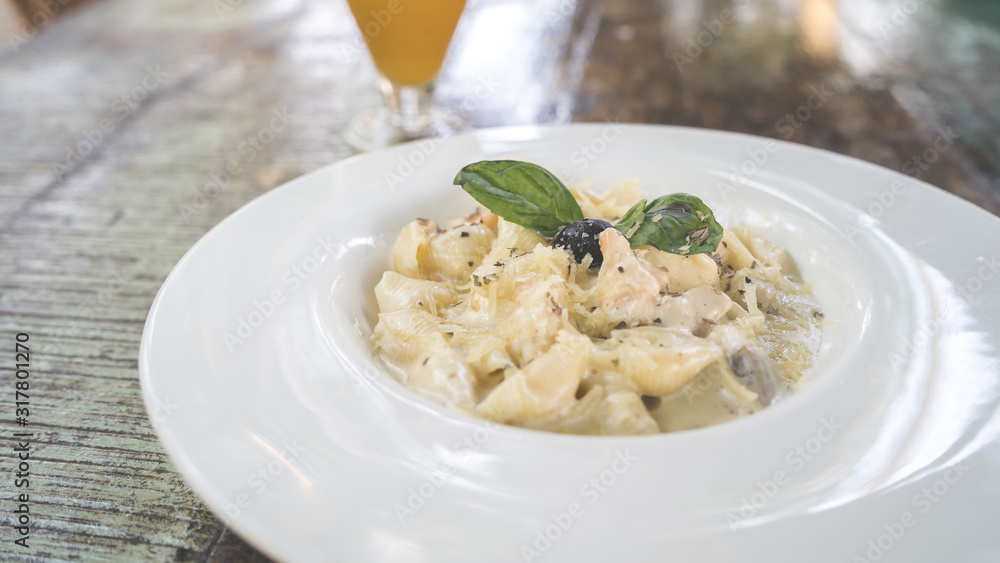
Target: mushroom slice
[754,370]
[751,365]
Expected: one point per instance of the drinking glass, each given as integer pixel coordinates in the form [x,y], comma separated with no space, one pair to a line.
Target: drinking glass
[407,40]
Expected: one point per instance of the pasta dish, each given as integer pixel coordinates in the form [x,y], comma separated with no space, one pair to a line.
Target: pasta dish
[595,330]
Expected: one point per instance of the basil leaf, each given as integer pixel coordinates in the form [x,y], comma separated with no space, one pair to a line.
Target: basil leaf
[632,218]
[677,223]
[522,193]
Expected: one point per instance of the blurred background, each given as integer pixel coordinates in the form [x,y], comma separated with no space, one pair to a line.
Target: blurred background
[899,72]
[117,118]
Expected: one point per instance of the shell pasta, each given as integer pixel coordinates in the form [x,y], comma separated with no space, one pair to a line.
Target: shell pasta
[490,319]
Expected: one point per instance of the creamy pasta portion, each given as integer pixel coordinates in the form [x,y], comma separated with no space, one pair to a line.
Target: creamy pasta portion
[490,319]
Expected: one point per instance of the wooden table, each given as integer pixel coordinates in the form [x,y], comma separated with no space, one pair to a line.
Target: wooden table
[115,116]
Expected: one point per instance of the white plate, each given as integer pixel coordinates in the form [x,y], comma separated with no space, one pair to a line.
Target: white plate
[294,435]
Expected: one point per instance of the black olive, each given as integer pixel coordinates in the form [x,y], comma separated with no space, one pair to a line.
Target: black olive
[651,403]
[582,238]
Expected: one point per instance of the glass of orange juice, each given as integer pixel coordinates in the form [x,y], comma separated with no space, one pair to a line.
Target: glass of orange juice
[407,40]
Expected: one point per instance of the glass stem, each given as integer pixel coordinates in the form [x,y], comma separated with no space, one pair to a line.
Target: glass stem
[409,107]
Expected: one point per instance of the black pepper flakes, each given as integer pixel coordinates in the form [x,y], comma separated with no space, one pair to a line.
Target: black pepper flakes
[748,280]
[621,269]
[464,234]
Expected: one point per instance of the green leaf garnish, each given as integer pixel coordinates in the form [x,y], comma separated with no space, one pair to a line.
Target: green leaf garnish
[677,223]
[522,193]
[529,195]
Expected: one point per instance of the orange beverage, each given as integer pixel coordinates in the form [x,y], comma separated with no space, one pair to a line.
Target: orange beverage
[407,38]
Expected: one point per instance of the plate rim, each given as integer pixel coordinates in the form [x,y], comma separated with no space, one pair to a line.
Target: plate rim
[250,530]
